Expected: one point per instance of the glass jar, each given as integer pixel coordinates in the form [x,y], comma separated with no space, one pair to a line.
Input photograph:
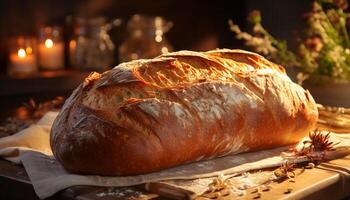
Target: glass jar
[51,48]
[146,38]
[22,57]
[91,47]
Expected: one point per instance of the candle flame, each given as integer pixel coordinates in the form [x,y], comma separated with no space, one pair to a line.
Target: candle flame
[72,44]
[29,50]
[21,53]
[48,43]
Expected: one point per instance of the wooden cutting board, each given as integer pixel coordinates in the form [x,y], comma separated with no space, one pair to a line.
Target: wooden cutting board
[329,180]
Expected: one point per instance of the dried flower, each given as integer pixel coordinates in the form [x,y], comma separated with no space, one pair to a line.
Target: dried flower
[323,53]
[254,17]
[264,43]
[314,44]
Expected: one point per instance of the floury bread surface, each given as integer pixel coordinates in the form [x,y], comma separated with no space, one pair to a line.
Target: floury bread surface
[148,115]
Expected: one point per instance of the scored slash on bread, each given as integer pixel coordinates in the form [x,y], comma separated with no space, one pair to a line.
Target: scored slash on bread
[147,115]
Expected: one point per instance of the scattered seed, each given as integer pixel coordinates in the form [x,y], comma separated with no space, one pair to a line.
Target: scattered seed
[215,196]
[243,187]
[212,196]
[233,190]
[225,193]
[241,193]
[289,190]
[221,177]
[265,188]
[255,190]
[245,174]
[211,188]
[257,196]
[310,166]
[215,181]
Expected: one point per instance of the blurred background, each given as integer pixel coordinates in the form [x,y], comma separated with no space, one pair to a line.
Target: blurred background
[47,47]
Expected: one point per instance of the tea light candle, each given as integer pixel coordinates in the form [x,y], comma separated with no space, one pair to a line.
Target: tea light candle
[23,62]
[51,54]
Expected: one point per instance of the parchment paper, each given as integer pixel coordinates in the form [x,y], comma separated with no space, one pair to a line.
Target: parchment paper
[48,176]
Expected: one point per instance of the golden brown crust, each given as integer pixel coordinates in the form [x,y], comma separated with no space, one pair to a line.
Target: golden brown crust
[147,115]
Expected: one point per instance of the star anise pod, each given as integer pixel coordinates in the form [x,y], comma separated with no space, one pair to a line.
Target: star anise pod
[286,170]
[319,142]
[314,148]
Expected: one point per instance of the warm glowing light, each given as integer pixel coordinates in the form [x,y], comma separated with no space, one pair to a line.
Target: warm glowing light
[21,53]
[72,44]
[29,50]
[48,43]
[134,56]
[158,38]
[164,50]
[159,32]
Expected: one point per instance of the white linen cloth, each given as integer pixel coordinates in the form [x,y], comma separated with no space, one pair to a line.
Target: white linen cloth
[36,138]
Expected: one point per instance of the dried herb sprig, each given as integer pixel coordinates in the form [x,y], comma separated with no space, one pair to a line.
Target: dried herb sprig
[261,41]
[324,47]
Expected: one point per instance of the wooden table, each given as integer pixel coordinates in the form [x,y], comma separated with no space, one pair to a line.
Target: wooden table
[329,180]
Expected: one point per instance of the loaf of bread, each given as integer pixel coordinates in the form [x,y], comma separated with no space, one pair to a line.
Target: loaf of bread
[147,115]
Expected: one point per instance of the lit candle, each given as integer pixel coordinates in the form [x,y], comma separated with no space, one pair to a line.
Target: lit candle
[23,62]
[51,54]
[73,53]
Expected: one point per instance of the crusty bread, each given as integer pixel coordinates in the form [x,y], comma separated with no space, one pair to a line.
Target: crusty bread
[148,115]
